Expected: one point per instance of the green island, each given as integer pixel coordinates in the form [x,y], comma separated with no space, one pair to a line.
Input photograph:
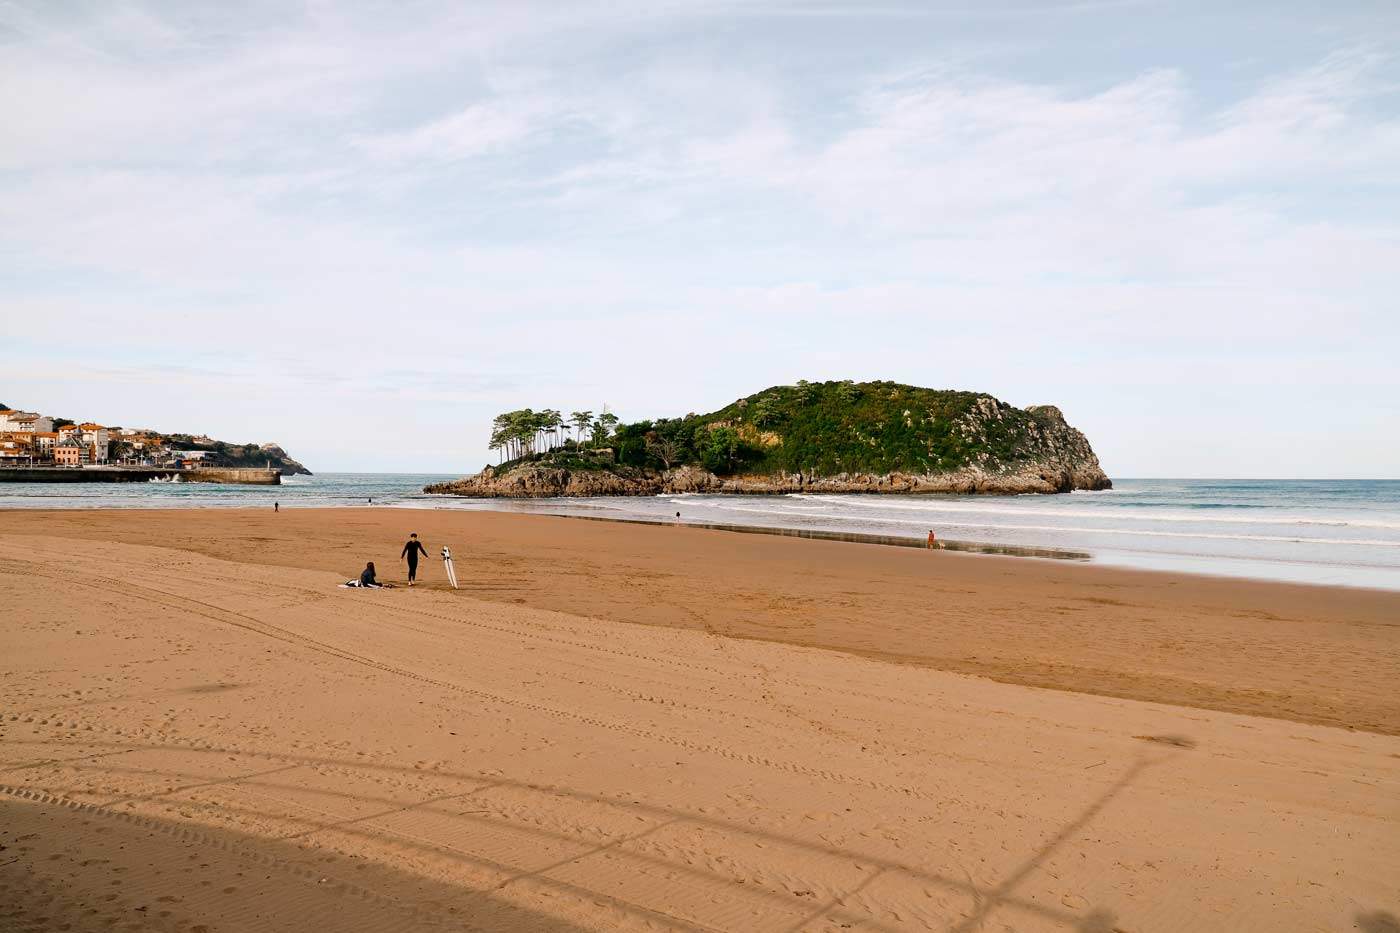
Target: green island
[810,437]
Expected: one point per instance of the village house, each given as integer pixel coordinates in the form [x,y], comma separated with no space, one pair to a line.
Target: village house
[29,437]
[96,438]
[70,452]
[26,422]
[16,446]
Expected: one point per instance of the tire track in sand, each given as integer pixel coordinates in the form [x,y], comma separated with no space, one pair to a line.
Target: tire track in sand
[269,630]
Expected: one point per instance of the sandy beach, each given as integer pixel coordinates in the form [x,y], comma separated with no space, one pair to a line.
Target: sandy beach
[622,727]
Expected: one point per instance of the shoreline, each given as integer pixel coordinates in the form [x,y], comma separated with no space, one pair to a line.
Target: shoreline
[848,537]
[1340,533]
[962,546]
[1301,652]
[984,548]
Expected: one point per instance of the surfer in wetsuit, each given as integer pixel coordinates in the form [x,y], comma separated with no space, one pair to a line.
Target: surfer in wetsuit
[411,549]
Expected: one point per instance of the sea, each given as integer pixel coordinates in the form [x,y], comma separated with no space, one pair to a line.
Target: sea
[1334,532]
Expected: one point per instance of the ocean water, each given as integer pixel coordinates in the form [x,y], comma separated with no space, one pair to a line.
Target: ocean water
[1337,532]
[320,491]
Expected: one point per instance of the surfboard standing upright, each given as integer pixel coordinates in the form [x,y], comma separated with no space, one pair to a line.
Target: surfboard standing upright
[447,565]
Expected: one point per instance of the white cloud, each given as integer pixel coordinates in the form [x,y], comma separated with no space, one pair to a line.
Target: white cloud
[475,130]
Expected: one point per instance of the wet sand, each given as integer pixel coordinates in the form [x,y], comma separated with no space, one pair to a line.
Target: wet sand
[199,730]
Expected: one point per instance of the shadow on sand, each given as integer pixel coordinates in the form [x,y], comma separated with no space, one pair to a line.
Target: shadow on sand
[82,868]
[1378,921]
[466,906]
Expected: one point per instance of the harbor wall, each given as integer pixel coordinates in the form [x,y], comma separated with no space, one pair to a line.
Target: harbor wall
[138,475]
[244,477]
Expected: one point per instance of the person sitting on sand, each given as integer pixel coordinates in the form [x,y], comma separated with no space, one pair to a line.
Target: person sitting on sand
[367,575]
[367,580]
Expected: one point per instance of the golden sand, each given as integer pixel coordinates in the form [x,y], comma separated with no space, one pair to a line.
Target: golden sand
[200,730]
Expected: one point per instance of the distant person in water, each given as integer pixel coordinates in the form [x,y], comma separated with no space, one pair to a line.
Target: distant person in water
[367,575]
[411,549]
[678,518]
[932,540]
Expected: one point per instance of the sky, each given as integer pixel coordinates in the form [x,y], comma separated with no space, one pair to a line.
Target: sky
[362,229]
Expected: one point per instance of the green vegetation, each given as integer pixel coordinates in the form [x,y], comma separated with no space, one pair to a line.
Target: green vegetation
[821,428]
[237,456]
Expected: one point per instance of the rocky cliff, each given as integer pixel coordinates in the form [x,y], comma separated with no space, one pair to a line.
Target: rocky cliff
[826,437]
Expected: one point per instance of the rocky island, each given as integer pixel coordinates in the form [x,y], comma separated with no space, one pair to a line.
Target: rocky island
[829,437]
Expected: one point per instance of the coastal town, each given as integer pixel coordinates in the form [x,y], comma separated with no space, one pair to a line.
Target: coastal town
[30,439]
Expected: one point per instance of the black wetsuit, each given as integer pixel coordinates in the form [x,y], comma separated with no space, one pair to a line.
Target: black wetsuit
[367,578]
[411,550]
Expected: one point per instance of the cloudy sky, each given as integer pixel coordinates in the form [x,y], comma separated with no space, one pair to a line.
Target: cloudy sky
[363,228]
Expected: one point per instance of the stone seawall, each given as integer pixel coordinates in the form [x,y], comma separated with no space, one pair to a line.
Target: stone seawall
[137,475]
[240,476]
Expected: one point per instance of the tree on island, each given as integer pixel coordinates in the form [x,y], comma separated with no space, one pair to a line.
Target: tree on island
[553,422]
[526,432]
[582,421]
[602,429]
[664,449]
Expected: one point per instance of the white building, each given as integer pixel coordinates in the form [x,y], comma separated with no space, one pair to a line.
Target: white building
[95,440]
[26,422]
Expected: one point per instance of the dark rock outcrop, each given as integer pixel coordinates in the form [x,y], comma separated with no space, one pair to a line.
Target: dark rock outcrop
[283,463]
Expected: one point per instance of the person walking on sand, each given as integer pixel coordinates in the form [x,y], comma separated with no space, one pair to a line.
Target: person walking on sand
[411,549]
[276,507]
[932,540]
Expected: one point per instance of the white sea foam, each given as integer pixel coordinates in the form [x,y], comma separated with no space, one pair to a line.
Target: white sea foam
[1127,514]
[1132,532]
